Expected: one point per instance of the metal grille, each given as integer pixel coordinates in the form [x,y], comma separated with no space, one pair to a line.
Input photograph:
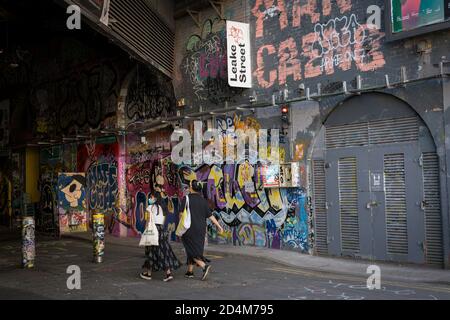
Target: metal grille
[393,131]
[348,204]
[320,212]
[432,199]
[372,133]
[395,199]
[348,135]
[142,29]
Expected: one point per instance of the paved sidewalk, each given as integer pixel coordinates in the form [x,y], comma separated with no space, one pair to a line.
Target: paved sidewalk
[408,273]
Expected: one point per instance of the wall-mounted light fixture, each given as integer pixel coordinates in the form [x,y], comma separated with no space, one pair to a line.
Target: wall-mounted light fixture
[301,89]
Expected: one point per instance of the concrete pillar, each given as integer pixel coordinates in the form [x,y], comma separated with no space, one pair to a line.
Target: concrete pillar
[28,242]
[98,229]
[122,123]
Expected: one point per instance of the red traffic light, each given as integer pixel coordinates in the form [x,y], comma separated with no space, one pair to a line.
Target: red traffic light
[285,109]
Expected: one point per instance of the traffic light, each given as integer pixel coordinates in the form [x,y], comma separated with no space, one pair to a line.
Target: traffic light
[285,114]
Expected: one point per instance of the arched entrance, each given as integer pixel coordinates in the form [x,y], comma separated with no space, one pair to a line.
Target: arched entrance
[376,190]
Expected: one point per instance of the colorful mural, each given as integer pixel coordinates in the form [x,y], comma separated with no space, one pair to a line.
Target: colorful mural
[28,242]
[100,163]
[266,217]
[149,169]
[72,202]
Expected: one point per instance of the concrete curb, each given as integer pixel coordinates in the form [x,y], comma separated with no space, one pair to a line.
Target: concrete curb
[356,269]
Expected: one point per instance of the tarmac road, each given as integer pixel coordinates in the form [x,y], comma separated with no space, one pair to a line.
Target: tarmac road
[232,277]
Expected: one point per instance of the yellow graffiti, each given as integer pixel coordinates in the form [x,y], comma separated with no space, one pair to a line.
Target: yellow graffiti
[232,200]
[275,199]
[245,174]
[216,175]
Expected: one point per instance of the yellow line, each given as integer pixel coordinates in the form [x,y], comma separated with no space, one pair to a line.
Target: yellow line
[355,279]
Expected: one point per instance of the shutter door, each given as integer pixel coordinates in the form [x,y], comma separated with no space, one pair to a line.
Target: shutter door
[320,212]
[348,204]
[433,221]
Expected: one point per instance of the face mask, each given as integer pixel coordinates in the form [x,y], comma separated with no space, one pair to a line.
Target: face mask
[151,201]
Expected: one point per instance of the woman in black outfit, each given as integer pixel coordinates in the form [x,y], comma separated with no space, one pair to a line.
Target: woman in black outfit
[194,238]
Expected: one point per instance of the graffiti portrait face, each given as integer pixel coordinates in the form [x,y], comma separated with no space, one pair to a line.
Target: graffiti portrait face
[73,193]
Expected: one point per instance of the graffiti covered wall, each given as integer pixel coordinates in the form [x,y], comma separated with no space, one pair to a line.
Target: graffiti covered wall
[72,202]
[265,217]
[300,40]
[296,42]
[249,213]
[149,96]
[99,162]
[149,169]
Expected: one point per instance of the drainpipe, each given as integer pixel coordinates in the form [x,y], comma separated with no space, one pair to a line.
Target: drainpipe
[446,196]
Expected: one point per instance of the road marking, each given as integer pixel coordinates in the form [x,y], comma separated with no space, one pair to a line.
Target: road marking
[356,279]
[213,256]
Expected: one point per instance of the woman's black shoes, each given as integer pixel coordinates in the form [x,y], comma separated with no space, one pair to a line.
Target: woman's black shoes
[206,271]
[189,275]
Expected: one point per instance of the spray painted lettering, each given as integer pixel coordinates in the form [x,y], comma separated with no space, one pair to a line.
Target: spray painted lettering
[336,43]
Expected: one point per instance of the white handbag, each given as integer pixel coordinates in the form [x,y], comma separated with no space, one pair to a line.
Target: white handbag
[185,220]
[150,236]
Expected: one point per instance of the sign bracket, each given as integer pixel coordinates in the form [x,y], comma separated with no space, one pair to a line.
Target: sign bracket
[196,16]
[218,10]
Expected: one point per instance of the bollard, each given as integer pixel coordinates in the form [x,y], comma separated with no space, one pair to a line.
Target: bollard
[98,228]
[28,242]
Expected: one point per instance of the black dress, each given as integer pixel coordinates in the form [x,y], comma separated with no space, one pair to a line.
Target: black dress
[194,238]
[161,257]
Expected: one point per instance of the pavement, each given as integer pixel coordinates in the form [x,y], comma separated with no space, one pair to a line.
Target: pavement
[239,273]
[344,266]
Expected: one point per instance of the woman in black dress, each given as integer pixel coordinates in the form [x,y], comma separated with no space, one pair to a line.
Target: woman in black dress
[194,238]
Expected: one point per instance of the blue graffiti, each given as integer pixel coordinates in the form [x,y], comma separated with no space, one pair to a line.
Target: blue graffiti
[102,186]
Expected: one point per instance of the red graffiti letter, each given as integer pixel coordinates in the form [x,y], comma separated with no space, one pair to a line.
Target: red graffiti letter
[269,10]
[288,62]
[260,67]
[374,59]
[312,54]
[326,6]
[344,5]
[309,9]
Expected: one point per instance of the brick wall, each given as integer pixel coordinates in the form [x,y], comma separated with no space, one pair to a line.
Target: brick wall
[295,42]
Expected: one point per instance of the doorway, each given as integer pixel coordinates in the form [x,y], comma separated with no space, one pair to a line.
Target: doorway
[378,180]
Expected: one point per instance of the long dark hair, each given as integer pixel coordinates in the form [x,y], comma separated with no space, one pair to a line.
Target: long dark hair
[196,186]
